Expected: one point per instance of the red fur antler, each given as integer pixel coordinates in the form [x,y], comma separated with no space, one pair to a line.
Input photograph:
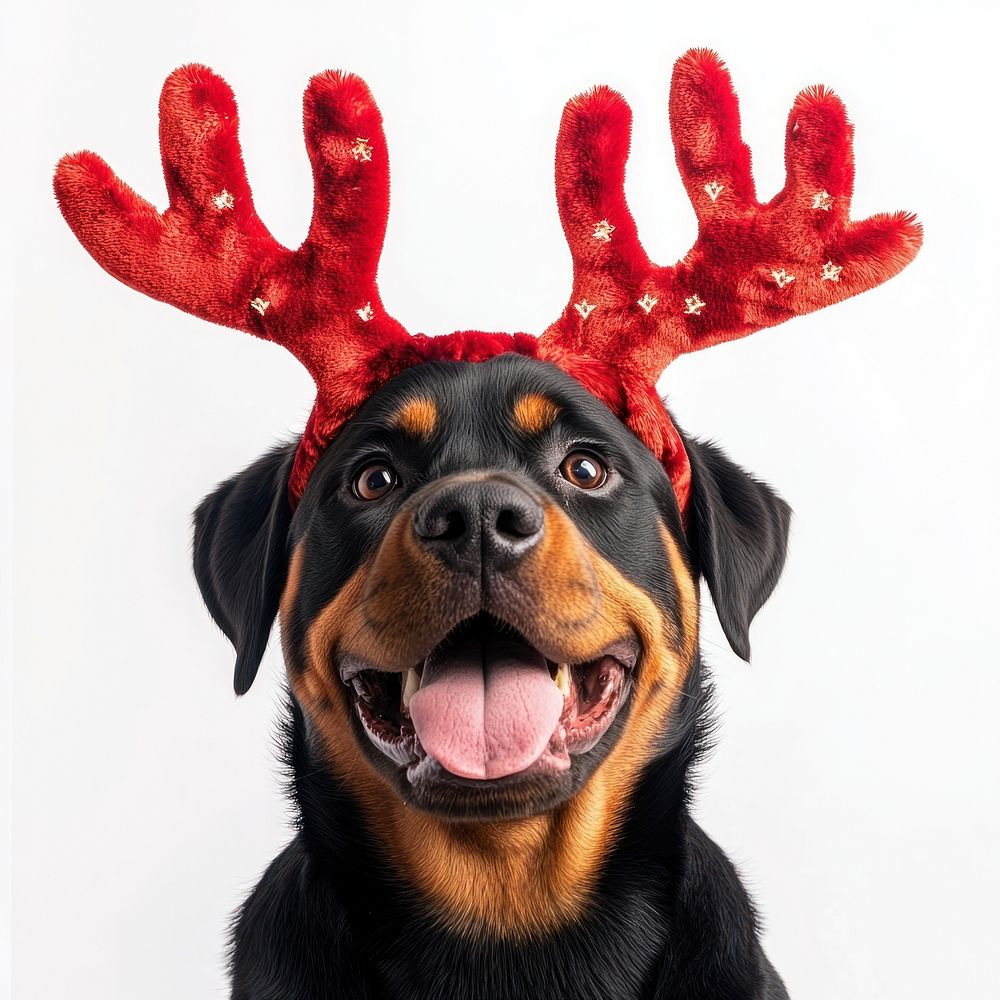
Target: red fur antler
[210,254]
[752,266]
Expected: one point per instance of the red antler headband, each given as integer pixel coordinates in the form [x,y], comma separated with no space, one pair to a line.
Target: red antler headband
[753,265]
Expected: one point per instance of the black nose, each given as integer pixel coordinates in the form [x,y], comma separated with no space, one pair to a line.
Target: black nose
[479,525]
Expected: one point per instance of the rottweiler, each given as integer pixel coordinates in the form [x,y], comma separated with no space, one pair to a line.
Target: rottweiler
[485,551]
[489,614]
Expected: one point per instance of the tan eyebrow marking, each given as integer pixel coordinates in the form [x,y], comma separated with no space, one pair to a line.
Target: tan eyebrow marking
[417,417]
[534,413]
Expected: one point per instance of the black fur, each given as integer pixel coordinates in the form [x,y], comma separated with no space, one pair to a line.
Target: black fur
[240,555]
[739,535]
[330,918]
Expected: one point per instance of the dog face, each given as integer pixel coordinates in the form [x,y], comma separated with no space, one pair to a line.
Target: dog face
[487,596]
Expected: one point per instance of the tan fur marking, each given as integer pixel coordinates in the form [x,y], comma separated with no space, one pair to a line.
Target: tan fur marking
[534,414]
[388,612]
[519,877]
[417,417]
[687,591]
[291,583]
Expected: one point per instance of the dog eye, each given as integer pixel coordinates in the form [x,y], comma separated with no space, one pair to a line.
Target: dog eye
[375,481]
[583,470]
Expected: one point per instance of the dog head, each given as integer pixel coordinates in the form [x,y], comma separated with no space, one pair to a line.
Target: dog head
[486,592]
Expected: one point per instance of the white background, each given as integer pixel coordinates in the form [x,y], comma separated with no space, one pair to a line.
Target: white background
[855,781]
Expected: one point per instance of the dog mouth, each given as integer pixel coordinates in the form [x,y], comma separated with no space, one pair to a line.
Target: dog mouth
[485,704]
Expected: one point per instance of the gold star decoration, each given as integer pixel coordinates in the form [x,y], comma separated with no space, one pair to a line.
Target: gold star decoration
[782,277]
[603,231]
[823,201]
[365,312]
[584,308]
[647,302]
[361,150]
[259,305]
[693,305]
[713,189]
[830,271]
[223,200]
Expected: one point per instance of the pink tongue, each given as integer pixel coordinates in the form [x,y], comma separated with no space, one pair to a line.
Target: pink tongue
[486,713]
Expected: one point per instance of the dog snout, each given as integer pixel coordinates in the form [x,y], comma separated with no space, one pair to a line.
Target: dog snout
[480,525]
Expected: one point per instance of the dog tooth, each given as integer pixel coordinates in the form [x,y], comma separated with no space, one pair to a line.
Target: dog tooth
[411,684]
[562,679]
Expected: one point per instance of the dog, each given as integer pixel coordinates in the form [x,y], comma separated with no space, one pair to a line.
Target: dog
[485,551]
[480,536]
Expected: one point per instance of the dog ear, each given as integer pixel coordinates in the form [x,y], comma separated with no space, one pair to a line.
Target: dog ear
[738,530]
[240,555]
